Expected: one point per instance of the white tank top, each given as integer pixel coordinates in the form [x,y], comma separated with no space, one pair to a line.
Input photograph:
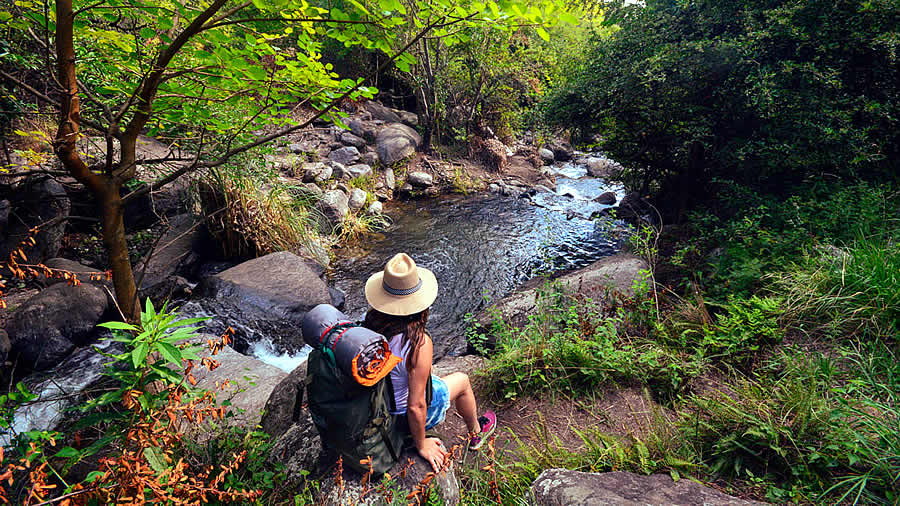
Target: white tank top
[400,374]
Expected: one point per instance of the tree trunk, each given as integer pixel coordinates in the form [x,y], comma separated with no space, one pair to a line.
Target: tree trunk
[104,187]
[111,218]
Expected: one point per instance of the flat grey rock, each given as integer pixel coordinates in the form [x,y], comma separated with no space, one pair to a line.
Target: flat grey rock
[561,487]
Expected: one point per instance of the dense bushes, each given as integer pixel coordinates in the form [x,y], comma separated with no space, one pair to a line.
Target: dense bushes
[768,94]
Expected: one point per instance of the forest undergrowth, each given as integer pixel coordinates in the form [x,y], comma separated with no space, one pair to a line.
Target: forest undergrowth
[774,343]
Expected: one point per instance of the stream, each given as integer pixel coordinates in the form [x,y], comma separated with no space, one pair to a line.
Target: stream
[483,247]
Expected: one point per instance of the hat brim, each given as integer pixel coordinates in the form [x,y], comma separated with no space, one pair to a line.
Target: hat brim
[402,305]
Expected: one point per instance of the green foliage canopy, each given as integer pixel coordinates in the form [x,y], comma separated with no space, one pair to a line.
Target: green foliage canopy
[764,93]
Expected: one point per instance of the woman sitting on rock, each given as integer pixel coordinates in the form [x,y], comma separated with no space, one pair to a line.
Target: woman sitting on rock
[400,297]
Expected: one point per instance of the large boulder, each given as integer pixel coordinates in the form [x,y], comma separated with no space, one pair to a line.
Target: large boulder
[546,155]
[347,155]
[248,384]
[285,402]
[350,139]
[174,255]
[48,326]
[396,142]
[562,151]
[269,295]
[333,206]
[561,487]
[613,274]
[297,443]
[83,273]
[410,473]
[382,113]
[44,203]
[603,168]
[361,129]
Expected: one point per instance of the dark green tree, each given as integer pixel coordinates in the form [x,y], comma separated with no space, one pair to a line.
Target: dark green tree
[766,93]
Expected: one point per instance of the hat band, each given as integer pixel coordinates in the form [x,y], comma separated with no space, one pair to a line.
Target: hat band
[404,291]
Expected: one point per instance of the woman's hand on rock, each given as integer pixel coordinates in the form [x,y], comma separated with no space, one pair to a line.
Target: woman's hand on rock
[432,450]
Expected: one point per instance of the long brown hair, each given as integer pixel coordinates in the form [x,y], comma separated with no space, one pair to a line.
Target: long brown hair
[412,327]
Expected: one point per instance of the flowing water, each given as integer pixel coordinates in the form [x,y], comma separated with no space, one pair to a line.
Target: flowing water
[482,247]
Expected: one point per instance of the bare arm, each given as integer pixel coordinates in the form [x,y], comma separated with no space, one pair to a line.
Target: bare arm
[429,448]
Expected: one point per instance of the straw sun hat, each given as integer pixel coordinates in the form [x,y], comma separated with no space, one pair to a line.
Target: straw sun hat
[402,288]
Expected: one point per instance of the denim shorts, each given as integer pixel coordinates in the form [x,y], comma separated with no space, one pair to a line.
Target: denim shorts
[440,403]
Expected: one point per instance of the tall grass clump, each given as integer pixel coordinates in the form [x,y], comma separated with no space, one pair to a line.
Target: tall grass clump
[251,219]
[808,426]
[846,292]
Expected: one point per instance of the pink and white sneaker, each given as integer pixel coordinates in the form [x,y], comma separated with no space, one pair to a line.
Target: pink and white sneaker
[488,422]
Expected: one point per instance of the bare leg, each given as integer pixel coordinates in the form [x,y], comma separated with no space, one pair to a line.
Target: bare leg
[461,393]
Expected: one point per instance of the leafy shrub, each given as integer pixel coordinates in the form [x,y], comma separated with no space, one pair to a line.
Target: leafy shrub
[766,94]
[744,327]
[569,345]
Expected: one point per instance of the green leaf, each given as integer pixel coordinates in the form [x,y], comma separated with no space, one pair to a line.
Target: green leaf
[117,326]
[542,34]
[148,33]
[568,17]
[68,452]
[139,354]
[170,353]
[154,457]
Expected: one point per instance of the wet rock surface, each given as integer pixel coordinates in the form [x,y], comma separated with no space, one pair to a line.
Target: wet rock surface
[561,487]
[267,296]
[48,327]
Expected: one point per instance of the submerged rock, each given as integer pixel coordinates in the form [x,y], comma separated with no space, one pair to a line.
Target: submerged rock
[561,487]
[607,199]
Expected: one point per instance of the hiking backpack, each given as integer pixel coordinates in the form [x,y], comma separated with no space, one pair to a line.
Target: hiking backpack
[352,418]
